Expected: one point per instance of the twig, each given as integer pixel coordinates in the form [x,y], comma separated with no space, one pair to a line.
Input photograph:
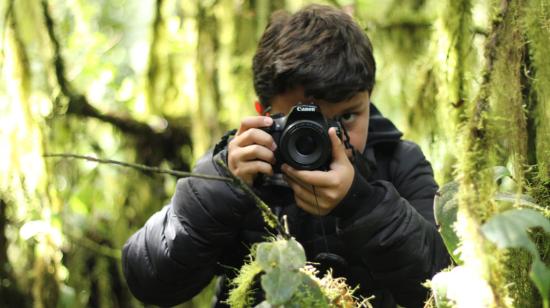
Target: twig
[270,218]
[141,167]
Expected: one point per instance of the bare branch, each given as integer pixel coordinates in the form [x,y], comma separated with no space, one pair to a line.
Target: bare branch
[182,174]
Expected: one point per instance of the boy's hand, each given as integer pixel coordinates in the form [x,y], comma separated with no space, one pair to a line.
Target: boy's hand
[330,186]
[251,151]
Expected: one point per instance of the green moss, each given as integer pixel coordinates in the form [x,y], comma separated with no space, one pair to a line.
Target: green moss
[540,191]
[242,291]
[522,289]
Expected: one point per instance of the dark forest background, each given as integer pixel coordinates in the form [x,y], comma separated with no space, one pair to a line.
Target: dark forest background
[157,82]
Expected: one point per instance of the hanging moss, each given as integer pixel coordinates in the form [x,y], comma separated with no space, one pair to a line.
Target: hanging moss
[506,97]
[457,19]
[158,57]
[443,85]
[537,25]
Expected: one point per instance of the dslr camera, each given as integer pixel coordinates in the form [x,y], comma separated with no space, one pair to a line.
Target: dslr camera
[302,138]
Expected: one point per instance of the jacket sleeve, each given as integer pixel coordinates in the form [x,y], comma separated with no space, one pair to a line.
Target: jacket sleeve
[391,227]
[174,256]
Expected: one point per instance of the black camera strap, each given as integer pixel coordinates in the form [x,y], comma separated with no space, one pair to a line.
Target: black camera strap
[320,219]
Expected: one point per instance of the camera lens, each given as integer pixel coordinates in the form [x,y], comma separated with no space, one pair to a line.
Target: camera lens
[305,145]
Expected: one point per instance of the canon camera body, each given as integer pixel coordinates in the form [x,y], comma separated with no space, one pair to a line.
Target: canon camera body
[302,138]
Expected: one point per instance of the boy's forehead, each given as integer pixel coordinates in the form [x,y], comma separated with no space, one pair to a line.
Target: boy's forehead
[284,102]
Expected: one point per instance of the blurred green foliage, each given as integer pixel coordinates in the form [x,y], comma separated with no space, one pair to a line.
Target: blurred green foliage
[158,82]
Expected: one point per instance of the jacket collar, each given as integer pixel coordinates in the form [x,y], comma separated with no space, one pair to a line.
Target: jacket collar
[381,129]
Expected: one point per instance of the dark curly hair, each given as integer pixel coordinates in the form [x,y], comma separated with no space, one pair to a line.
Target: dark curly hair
[319,48]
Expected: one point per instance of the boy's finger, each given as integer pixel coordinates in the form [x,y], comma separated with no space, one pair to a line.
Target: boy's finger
[315,177]
[257,152]
[293,182]
[255,136]
[254,122]
[257,166]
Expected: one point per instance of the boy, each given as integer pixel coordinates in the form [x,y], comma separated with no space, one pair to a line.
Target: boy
[369,216]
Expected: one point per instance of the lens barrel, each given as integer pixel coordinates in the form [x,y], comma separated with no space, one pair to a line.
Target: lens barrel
[305,145]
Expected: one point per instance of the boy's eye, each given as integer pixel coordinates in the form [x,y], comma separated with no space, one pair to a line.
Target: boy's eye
[348,117]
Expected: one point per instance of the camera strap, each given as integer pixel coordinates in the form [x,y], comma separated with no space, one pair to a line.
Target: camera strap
[324,233]
[346,135]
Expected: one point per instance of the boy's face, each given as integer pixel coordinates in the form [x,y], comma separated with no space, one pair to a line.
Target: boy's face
[354,112]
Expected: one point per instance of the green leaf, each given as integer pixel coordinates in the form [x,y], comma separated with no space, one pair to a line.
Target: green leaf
[540,275]
[308,294]
[523,201]
[294,255]
[283,254]
[445,194]
[501,172]
[445,211]
[263,254]
[509,229]
[279,285]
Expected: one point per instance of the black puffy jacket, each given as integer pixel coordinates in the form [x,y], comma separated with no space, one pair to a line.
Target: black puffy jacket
[382,236]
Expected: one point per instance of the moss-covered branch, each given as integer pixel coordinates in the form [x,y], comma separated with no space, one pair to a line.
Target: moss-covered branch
[268,215]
